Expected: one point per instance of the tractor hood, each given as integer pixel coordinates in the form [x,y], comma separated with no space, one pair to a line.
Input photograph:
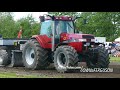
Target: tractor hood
[80,36]
[77,37]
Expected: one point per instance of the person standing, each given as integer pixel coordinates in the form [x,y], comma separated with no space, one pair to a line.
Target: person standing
[20,33]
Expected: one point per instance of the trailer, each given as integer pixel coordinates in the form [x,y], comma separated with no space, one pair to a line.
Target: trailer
[11,51]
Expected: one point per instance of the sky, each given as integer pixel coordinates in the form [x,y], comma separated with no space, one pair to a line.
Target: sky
[18,15]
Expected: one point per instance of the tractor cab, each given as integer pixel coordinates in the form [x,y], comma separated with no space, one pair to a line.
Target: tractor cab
[59,24]
[55,26]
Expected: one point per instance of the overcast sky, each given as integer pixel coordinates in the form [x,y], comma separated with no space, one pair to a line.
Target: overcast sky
[18,15]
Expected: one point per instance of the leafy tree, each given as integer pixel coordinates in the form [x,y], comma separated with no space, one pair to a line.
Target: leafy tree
[9,28]
[29,26]
[101,24]
[7,25]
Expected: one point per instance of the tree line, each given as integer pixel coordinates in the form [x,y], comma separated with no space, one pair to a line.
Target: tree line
[9,27]
[101,24]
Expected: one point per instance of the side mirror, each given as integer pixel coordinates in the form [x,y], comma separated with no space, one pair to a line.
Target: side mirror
[74,19]
[84,20]
[42,18]
[80,32]
[77,31]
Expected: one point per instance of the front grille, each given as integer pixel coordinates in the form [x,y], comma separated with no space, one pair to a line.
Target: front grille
[88,40]
[84,43]
[91,43]
[88,37]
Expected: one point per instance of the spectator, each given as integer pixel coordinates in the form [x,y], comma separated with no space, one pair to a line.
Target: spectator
[20,33]
[113,44]
[117,46]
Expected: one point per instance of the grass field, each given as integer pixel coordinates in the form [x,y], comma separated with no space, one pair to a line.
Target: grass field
[14,75]
[115,59]
[10,74]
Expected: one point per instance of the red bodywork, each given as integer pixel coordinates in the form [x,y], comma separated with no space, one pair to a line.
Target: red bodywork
[63,18]
[46,42]
[77,45]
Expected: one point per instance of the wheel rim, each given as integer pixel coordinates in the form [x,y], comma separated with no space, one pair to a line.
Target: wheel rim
[61,60]
[30,55]
[1,60]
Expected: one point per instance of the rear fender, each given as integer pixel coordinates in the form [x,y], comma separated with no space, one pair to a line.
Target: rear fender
[44,41]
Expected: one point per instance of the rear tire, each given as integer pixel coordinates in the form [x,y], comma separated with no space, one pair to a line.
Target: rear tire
[4,58]
[34,56]
[65,56]
[101,60]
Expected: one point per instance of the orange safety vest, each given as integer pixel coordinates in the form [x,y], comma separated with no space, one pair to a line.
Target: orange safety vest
[20,34]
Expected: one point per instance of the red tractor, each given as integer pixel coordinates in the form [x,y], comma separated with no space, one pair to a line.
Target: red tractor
[59,43]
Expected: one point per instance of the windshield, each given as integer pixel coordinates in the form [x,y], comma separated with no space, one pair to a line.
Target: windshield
[46,28]
[64,26]
[60,27]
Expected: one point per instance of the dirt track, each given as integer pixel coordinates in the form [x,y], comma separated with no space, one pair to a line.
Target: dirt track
[51,73]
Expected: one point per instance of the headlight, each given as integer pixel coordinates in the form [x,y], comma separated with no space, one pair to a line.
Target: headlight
[78,40]
[82,40]
[92,40]
[87,44]
[74,40]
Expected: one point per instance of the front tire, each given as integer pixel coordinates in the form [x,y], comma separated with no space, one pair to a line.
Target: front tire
[101,60]
[65,56]
[34,56]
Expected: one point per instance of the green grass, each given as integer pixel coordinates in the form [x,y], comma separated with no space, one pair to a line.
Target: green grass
[116,59]
[15,75]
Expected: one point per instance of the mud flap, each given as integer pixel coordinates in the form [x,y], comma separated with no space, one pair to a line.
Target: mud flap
[16,60]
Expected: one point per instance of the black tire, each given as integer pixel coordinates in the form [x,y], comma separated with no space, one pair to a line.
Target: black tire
[39,57]
[65,56]
[4,58]
[101,60]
